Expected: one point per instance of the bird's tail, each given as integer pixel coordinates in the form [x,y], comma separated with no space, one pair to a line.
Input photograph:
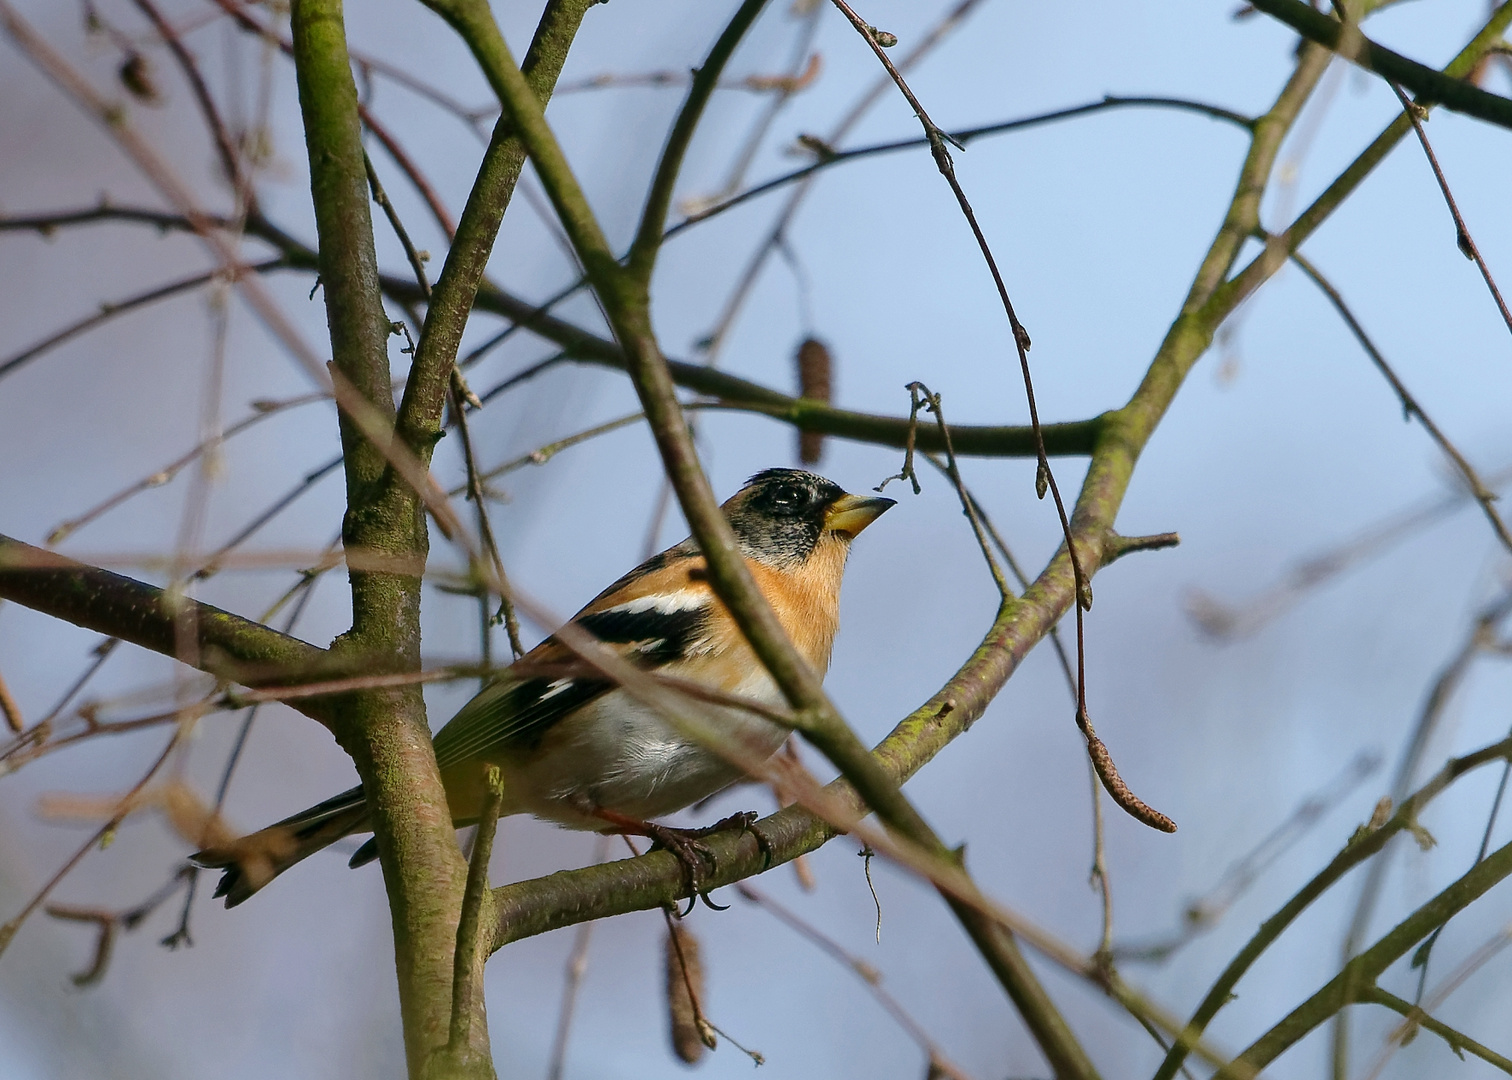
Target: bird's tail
[254,860]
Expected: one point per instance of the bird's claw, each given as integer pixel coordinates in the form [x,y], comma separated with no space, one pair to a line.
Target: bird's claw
[688,848]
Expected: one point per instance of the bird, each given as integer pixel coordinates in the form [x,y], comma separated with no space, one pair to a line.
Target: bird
[573,748]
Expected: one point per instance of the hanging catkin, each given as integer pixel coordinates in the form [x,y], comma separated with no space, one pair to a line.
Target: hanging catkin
[816,382]
[685,984]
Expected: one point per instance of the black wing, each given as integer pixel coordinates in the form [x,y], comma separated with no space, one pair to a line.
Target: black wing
[515,711]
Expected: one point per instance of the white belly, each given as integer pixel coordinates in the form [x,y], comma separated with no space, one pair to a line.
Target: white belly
[619,755]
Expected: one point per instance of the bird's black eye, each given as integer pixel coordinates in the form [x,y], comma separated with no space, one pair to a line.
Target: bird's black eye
[787,499]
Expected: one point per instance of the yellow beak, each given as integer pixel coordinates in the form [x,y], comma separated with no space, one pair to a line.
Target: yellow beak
[851,513]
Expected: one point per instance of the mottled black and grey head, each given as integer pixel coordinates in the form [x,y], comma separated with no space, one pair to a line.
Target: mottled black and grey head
[781,514]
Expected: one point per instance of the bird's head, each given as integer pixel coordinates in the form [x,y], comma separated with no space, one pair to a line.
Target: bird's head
[781,515]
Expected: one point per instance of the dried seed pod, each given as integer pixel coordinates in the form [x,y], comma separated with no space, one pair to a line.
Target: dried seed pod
[137,77]
[685,985]
[816,383]
[10,709]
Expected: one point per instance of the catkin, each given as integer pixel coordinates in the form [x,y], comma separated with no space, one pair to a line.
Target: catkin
[682,1013]
[815,382]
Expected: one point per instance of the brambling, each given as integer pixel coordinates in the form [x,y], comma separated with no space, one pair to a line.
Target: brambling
[577,750]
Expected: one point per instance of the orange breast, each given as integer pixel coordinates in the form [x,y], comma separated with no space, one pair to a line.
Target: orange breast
[807,599]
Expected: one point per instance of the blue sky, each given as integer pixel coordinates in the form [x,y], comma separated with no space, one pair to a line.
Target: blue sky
[1283,443]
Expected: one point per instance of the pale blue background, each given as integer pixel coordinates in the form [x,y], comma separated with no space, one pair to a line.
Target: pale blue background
[1098,223]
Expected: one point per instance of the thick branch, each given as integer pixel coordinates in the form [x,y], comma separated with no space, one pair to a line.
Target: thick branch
[359,328]
[384,730]
[1449,89]
[1281,245]
[229,646]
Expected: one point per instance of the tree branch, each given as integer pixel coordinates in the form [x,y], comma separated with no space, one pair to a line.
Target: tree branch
[573,896]
[1363,845]
[1447,88]
[1410,405]
[420,410]
[229,646]
[1070,438]
[641,260]
[383,729]
[1456,1040]
[1243,284]
[1351,984]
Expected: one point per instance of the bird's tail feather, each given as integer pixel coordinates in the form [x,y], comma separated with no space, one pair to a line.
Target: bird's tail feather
[254,860]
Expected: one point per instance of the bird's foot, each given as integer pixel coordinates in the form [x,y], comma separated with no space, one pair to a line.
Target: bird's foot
[687,846]
[744,821]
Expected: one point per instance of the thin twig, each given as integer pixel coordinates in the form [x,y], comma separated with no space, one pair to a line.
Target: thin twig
[1446,685]
[412,171]
[476,495]
[411,253]
[461,398]
[225,145]
[467,969]
[110,309]
[1424,955]
[1072,438]
[1415,1017]
[110,923]
[922,395]
[1224,622]
[1462,238]
[367,64]
[367,418]
[306,589]
[802,69]
[42,740]
[157,170]
[1410,405]
[1098,875]
[786,83]
[216,560]
[714,340]
[1102,760]
[572,984]
[869,976]
[261,411]
[1204,912]
[124,807]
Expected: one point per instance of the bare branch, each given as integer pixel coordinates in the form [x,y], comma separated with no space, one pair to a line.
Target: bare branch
[1449,89]
[1410,406]
[1462,238]
[230,647]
